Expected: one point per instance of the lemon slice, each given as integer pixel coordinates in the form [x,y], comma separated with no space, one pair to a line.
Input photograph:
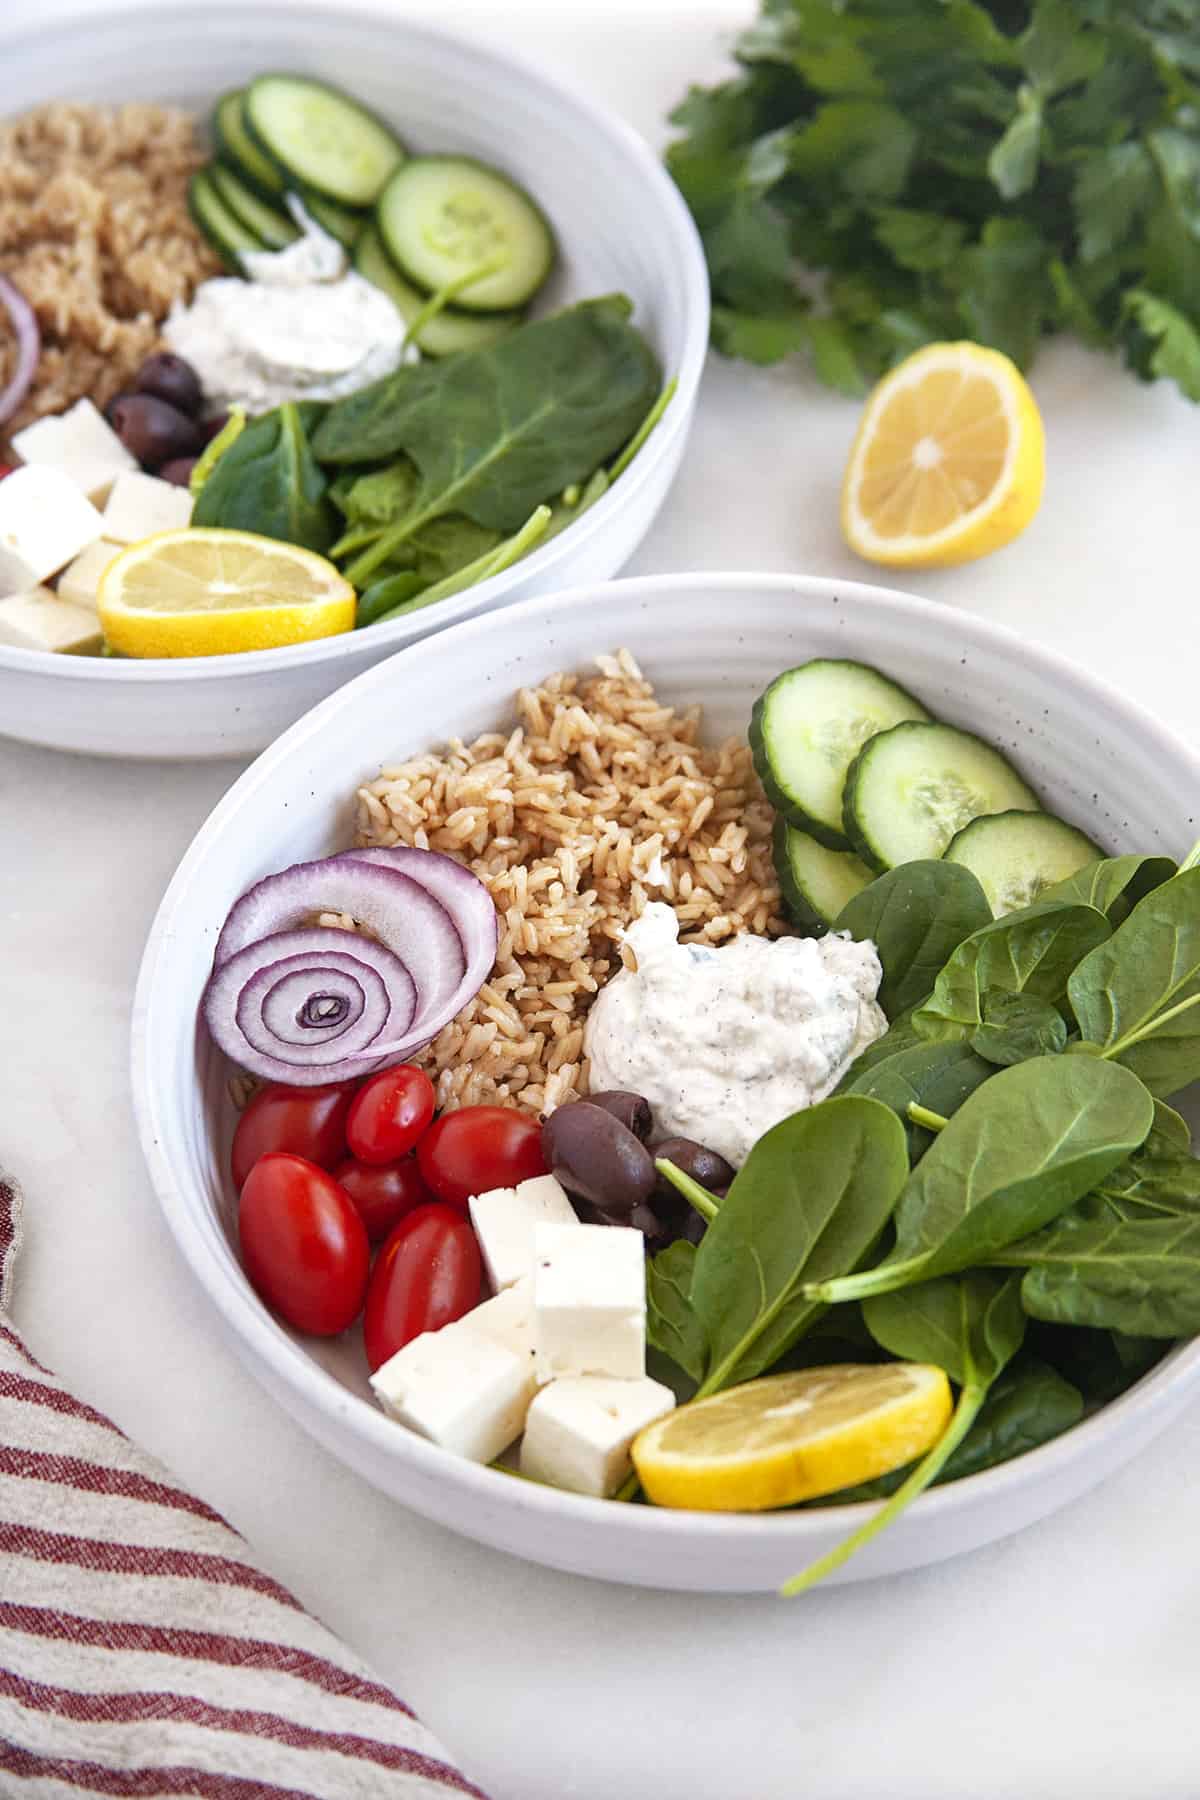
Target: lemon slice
[949,461]
[199,591]
[791,1437]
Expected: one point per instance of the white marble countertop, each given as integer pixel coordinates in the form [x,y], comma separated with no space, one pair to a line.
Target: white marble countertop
[1062,1662]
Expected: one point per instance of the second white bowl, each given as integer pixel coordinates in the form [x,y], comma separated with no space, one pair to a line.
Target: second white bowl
[621,223]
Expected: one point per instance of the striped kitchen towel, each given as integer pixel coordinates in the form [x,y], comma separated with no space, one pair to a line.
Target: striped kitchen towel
[142,1651]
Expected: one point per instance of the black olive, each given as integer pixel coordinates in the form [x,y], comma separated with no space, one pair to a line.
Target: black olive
[596,1157]
[178,471]
[170,379]
[211,428]
[151,430]
[702,1164]
[631,1109]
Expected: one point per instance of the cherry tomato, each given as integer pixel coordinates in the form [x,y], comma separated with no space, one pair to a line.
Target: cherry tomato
[383,1194]
[5,469]
[480,1148]
[308,1121]
[426,1276]
[304,1246]
[389,1114]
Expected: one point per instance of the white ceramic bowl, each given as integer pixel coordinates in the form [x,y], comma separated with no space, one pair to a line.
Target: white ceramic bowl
[718,640]
[621,225]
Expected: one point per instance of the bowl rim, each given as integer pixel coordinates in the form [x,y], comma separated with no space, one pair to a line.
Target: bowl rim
[672,218]
[257,1335]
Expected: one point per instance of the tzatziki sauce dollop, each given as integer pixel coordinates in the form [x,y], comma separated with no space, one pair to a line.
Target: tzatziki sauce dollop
[301,326]
[725,1041]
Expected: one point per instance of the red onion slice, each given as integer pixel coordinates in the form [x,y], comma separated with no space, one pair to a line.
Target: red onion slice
[301,1005]
[304,1003]
[29,347]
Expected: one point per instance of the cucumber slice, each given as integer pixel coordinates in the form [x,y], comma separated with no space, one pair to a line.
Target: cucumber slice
[239,149]
[339,221]
[807,729]
[1014,855]
[446,333]
[816,882]
[273,227]
[440,217]
[223,229]
[910,789]
[320,138]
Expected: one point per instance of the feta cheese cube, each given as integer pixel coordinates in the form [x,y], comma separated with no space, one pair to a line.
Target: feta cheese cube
[80,580]
[44,522]
[579,1429]
[461,1389]
[140,505]
[79,444]
[589,1300]
[507,1318]
[504,1219]
[39,620]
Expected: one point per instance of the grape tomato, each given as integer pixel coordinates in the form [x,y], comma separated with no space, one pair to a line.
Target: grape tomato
[389,1113]
[479,1148]
[382,1193]
[304,1247]
[427,1274]
[309,1122]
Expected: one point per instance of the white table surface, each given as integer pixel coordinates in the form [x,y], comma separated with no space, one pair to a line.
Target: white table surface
[1063,1662]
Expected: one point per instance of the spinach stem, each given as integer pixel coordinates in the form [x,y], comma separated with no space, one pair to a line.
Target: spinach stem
[867,1282]
[706,1204]
[357,539]
[1149,1028]
[931,1465]
[643,431]
[629,1488]
[442,296]
[921,1115]
[1192,859]
[483,567]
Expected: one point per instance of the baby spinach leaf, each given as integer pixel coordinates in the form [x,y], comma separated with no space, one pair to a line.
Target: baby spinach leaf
[810,1200]
[916,915]
[1101,1364]
[937,1076]
[672,1324]
[1016,1027]
[498,430]
[1138,996]
[1140,1276]
[1111,878]
[379,496]
[1032,951]
[269,481]
[1170,1130]
[974,1325]
[1023,1148]
[900,1035]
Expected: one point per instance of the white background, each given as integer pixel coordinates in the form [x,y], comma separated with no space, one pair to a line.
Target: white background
[1063,1662]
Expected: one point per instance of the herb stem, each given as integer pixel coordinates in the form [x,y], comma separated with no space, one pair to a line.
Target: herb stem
[921,1115]
[867,1282]
[442,296]
[706,1204]
[930,1466]
[643,431]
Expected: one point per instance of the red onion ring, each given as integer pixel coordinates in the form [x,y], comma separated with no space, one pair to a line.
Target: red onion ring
[306,1004]
[29,347]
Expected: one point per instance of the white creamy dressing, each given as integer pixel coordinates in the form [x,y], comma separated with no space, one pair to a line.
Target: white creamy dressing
[302,326]
[726,1041]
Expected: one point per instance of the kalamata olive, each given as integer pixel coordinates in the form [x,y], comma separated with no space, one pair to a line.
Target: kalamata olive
[595,1156]
[151,430]
[178,471]
[631,1109]
[211,428]
[170,379]
[696,1160]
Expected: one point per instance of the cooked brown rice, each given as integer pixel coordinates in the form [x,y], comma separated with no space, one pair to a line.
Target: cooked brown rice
[95,232]
[598,801]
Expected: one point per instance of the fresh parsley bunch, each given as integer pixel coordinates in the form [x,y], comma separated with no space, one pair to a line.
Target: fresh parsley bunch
[951,169]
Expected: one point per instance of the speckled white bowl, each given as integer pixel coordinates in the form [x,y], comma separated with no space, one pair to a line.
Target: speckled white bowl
[621,224]
[716,639]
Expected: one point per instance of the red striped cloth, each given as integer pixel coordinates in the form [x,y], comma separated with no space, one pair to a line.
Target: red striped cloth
[142,1652]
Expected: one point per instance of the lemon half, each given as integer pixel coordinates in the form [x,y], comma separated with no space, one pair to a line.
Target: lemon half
[200,591]
[949,461]
[792,1437]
